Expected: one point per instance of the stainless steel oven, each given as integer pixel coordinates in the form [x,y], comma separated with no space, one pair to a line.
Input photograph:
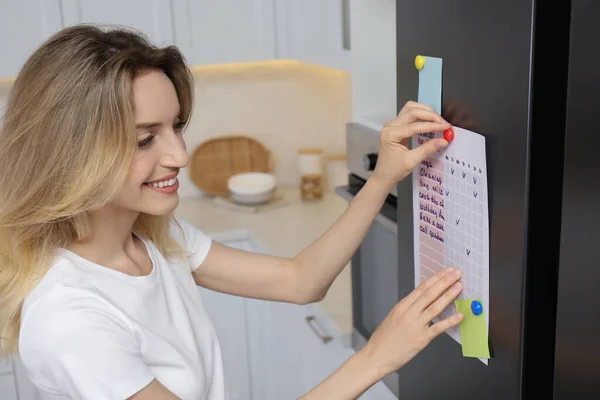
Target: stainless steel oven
[375,288]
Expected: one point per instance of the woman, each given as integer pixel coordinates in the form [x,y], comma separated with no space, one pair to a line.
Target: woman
[98,280]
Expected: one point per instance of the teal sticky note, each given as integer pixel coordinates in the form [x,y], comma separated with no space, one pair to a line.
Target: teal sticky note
[430,83]
[473,331]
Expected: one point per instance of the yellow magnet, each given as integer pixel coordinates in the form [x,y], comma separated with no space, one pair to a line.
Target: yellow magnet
[419,62]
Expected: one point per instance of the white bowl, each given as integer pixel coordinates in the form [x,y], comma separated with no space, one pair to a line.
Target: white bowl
[251,187]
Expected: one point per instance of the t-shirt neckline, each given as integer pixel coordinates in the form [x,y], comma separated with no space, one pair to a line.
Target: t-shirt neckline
[144,279]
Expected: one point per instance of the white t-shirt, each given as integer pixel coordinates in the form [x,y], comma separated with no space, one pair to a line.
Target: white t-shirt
[90,332]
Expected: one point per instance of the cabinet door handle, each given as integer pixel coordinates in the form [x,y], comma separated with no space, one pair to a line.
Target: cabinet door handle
[346,24]
[309,320]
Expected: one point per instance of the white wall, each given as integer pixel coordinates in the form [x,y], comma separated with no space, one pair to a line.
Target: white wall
[285,105]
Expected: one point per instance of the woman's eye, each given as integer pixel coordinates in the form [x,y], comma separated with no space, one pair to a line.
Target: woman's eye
[145,142]
[178,126]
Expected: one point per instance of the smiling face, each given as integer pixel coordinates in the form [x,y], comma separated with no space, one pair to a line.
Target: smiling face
[151,186]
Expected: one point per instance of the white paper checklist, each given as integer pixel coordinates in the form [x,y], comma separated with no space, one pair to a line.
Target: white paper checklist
[450,210]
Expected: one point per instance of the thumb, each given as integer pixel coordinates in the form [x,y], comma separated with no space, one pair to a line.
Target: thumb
[420,153]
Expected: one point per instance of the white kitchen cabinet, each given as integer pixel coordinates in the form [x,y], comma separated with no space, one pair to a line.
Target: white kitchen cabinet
[291,357]
[152,17]
[228,315]
[274,350]
[14,383]
[207,32]
[315,31]
[225,31]
[373,37]
[8,389]
[294,348]
[24,25]
[5,366]
[25,389]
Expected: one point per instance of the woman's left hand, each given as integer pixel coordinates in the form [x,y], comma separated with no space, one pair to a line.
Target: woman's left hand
[395,161]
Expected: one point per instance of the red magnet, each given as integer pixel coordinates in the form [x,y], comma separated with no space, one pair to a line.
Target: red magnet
[449,135]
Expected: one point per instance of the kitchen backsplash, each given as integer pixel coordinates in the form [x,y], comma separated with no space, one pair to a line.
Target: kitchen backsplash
[4,89]
[284,104]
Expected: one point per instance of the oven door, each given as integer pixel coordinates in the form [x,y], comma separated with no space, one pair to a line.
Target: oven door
[375,289]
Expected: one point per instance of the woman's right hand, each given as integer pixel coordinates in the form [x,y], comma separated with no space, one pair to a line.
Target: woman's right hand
[407,330]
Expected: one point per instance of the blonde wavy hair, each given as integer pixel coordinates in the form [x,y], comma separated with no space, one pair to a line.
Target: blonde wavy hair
[66,144]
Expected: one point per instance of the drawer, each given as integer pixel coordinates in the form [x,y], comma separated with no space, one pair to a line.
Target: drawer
[8,389]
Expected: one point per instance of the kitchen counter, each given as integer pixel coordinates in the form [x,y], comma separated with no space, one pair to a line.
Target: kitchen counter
[284,231]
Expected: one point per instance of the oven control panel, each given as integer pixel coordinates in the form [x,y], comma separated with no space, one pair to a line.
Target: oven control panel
[369,161]
[362,149]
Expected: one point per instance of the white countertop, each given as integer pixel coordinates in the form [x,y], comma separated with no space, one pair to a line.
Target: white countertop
[284,231]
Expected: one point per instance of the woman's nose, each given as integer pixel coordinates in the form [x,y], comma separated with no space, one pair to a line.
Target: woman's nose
[176,155]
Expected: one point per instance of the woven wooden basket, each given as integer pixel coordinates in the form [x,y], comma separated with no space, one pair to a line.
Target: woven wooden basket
[217,159]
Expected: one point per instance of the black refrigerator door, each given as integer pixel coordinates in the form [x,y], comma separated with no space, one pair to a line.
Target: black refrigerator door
[497,82]
[578,320]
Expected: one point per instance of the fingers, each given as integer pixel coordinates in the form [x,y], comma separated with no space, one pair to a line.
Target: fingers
[443,325]
[418,118]
[436,290]
[421,121]
[418,154]
[417,114]
[413,104]
[415,128]
[442,302]
[426,284]
[427,126]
